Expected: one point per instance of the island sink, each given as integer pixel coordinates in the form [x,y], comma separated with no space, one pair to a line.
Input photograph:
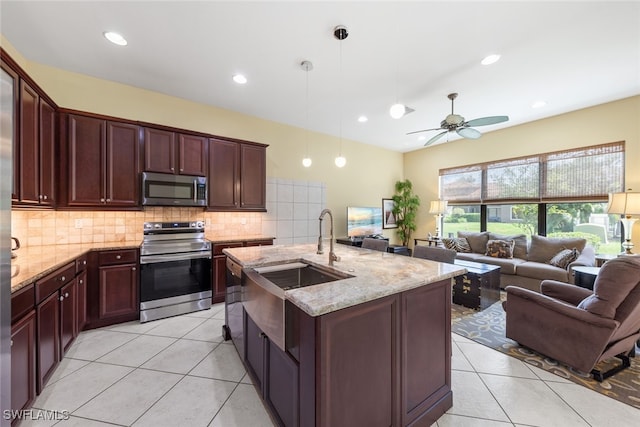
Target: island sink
[294,275]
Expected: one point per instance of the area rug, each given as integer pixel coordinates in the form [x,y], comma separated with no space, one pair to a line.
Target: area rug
[487,327]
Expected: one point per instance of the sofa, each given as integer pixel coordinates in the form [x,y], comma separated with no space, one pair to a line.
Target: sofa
[523,263]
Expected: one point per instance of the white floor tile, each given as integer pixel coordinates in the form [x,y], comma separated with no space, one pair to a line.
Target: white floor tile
[531,402]
[180,357]
[194,401]
[175,327]
[74,421]
[595,408]
[460,338]
[547,376]
[243,408]
[449,420]
[129,398]
[134,327]
[66,367]
[458,361]
[223,363]
[472,398]
[97,345]
[137,351]
[77,388]
[209,330]
[486,360]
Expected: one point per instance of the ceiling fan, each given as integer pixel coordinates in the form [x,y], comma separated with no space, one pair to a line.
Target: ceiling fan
[455,122]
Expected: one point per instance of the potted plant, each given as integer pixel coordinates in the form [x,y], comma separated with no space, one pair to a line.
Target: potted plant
[405,208]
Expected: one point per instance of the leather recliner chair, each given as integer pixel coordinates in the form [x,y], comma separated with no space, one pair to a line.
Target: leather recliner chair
[579,327]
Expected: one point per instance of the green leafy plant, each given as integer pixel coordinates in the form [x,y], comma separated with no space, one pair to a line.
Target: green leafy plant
[405,208]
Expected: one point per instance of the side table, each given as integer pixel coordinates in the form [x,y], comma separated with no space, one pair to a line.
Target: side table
[585,276]
[479,287]
[602,258]
[434,242]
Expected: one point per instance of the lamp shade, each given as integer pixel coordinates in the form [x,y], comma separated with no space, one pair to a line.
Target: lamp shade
[624,203]
[438,207]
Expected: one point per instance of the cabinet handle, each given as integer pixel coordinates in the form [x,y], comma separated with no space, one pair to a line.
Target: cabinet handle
[262,335]
[40,197]
[81,281]
[11,343]
[108,200]
[66,294]
[133,269]
[62,279]
[102,200]
[172,169]
[45,197]
[84,262]
[181,170]
[118,256]
[61,298]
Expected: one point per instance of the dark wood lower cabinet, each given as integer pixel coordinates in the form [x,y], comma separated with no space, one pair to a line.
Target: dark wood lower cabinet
[48,337]
[23,361]
[118,290]
[386,362]
[68,317]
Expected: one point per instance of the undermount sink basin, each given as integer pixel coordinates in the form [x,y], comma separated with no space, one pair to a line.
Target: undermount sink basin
[298,275]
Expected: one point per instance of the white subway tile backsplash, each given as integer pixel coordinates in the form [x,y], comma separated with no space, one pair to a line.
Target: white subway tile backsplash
[300,211]
[300,194]
[285,192]
[285,210]
[284,229]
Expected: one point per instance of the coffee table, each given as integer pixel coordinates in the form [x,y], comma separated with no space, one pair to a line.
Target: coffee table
[479,287]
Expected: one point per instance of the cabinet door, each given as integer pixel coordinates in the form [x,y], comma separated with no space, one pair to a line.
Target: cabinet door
[48,338]
[47,153]
[159,151]
[68,317]
[81,300]
[86,137]
[219,285]
[193,153]
[23,361]
[224,174]
[118,290]
[255,348]
[252,177]
[281,391]
[122,164]
[9,108]
[29,150]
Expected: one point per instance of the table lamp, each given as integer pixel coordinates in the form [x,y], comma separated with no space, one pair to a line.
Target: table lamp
[625,204]
[438,208]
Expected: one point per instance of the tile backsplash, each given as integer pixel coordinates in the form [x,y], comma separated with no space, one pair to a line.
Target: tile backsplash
[292,214]
[48,227]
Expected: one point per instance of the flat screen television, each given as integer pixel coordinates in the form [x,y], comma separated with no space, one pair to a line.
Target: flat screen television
[363,221]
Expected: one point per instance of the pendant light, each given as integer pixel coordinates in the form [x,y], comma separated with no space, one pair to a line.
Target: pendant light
[340,32]
[307,66]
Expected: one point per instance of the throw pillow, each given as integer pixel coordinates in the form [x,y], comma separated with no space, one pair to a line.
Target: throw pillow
[500,248]
[565,257]
[477,241]
[542,248]
[521,245]
[459,244]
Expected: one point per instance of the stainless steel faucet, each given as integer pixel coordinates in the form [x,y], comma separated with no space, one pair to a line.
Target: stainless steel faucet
[332,255]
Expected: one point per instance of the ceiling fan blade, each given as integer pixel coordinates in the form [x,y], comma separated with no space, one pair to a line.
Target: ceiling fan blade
[468,133]
[483,121]
[424,130]
[435,138]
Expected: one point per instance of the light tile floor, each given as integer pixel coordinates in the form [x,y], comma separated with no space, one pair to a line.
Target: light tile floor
[179,372]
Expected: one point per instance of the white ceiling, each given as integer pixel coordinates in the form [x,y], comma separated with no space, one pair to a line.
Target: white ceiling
[571,54]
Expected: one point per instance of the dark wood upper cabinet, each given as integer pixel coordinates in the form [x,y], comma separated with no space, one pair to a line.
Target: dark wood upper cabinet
[237,176]
[10,110]
[168,152]
[47,153]
[103,163]
[29,153]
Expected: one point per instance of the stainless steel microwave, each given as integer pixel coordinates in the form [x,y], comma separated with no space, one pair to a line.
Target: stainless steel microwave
[163,189]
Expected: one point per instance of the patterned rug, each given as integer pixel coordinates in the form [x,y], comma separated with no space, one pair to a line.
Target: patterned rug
[487,327]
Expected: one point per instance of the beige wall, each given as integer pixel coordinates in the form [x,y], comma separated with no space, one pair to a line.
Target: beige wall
[370,173]
[611,122]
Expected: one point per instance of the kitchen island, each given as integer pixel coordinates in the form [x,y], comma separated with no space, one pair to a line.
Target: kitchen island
[370,349]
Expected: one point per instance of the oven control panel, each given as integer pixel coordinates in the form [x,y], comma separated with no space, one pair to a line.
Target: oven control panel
[176,226]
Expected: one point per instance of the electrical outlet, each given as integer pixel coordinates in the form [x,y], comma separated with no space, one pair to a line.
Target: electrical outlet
[243,221]
[79,223]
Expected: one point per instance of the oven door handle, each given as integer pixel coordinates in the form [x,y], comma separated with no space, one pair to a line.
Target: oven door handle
[154,259]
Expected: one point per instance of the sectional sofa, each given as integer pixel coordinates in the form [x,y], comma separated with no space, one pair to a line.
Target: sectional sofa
[522,263]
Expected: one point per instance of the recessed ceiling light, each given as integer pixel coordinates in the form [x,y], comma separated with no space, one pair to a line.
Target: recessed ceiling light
[491,59]
[240,79]
[363,119]
[115,38]
[538,104]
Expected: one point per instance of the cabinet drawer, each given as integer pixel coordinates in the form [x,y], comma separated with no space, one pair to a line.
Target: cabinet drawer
[81,264]
[118,257]
[22,302]
[267,242]
[54,281]
[218,247]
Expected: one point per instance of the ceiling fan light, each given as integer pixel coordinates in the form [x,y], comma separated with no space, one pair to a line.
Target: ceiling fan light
[306,162]
[340,161]
[397,110]
[115,38]
[240,79]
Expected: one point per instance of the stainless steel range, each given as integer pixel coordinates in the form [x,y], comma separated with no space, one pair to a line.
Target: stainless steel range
[175,269]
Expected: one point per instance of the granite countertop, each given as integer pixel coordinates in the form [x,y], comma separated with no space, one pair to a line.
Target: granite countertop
[376,274]
[35,262]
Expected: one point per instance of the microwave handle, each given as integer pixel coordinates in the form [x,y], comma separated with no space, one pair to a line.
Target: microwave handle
[195,191]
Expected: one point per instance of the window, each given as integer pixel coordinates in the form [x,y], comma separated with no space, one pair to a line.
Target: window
[461,218]
[513,219]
